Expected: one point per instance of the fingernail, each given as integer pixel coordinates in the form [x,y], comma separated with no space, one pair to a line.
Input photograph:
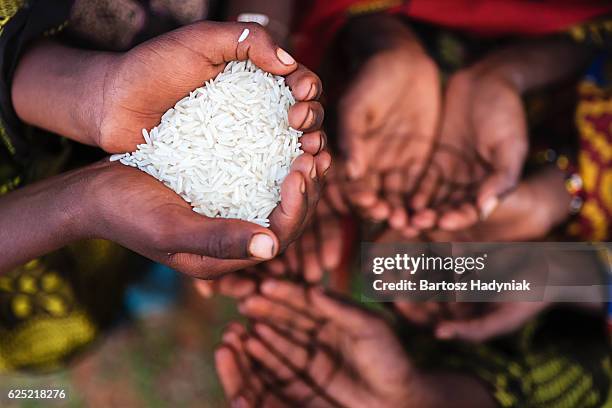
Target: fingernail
[444,333]
[204,289]
[326,169]
[352,170]
[488,207]
[261,246]
[313,171]
[311,92]
[309,120]
[268,287]
[284,57]
[240,402]
[302,186]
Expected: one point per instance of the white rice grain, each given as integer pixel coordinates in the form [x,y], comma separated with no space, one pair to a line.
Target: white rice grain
[227,147]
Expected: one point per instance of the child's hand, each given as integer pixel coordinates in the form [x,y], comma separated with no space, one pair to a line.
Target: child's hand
[387,120]
[149,79]
[313,349]
[131,208]
[106,99]
[479,155]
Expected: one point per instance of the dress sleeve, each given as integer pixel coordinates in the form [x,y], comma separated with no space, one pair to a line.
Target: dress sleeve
[21,22]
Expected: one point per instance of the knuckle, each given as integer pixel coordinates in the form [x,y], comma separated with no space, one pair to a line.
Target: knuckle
[222,246]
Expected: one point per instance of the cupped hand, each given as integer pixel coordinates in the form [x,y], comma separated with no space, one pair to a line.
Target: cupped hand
[137,211]
[528,213]
[308,347]
[142,84]
[479,155]
[387,120]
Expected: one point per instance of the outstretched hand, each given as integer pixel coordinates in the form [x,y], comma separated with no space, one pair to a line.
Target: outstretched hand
[479,154]
[387,119]
[309,347]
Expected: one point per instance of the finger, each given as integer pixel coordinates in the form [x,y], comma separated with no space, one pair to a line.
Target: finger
[236,285]
[283,356]
[505,319]
[287,218]
[311,267]
[416,313]
[219,43]
[306,116]
[507,160]
[286,292]
[410,232]
[330,231]
[283,343]
[228,371]
[323,162]
[352,130]
[380,211]
[314,142]
[251,386]
[459,218]
[334,196]
[269,358]
[259,307]
[398,218]
[305,85]
[424,219]
[276,267]
[219,238]
[232,366]
[346,315]
[292,259]
[426,188]
[204,288]
[491,190]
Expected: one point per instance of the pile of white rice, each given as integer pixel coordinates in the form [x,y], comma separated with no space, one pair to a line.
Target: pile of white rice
[227,147]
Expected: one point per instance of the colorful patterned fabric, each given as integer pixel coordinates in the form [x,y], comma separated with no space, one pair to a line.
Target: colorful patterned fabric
[594,122]
[547,363]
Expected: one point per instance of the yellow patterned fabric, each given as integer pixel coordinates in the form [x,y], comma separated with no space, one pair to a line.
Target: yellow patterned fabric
[546,364]
[8,8]
[596,33]
[42,322]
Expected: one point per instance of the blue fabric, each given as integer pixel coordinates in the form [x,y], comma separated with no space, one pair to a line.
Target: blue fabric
[157,291]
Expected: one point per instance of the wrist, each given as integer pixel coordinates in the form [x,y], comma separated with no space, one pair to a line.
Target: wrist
[75,209]
[61,89]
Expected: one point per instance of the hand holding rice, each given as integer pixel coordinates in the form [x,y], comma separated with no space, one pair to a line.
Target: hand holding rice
[227,146]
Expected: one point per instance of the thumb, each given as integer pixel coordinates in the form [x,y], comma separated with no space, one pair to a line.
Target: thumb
[507,162]
[225,42]
[351,132]
[219,238]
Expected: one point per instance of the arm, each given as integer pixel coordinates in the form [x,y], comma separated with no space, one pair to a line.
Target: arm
[54,218]
[533,65]
[127,206]
[60,89]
